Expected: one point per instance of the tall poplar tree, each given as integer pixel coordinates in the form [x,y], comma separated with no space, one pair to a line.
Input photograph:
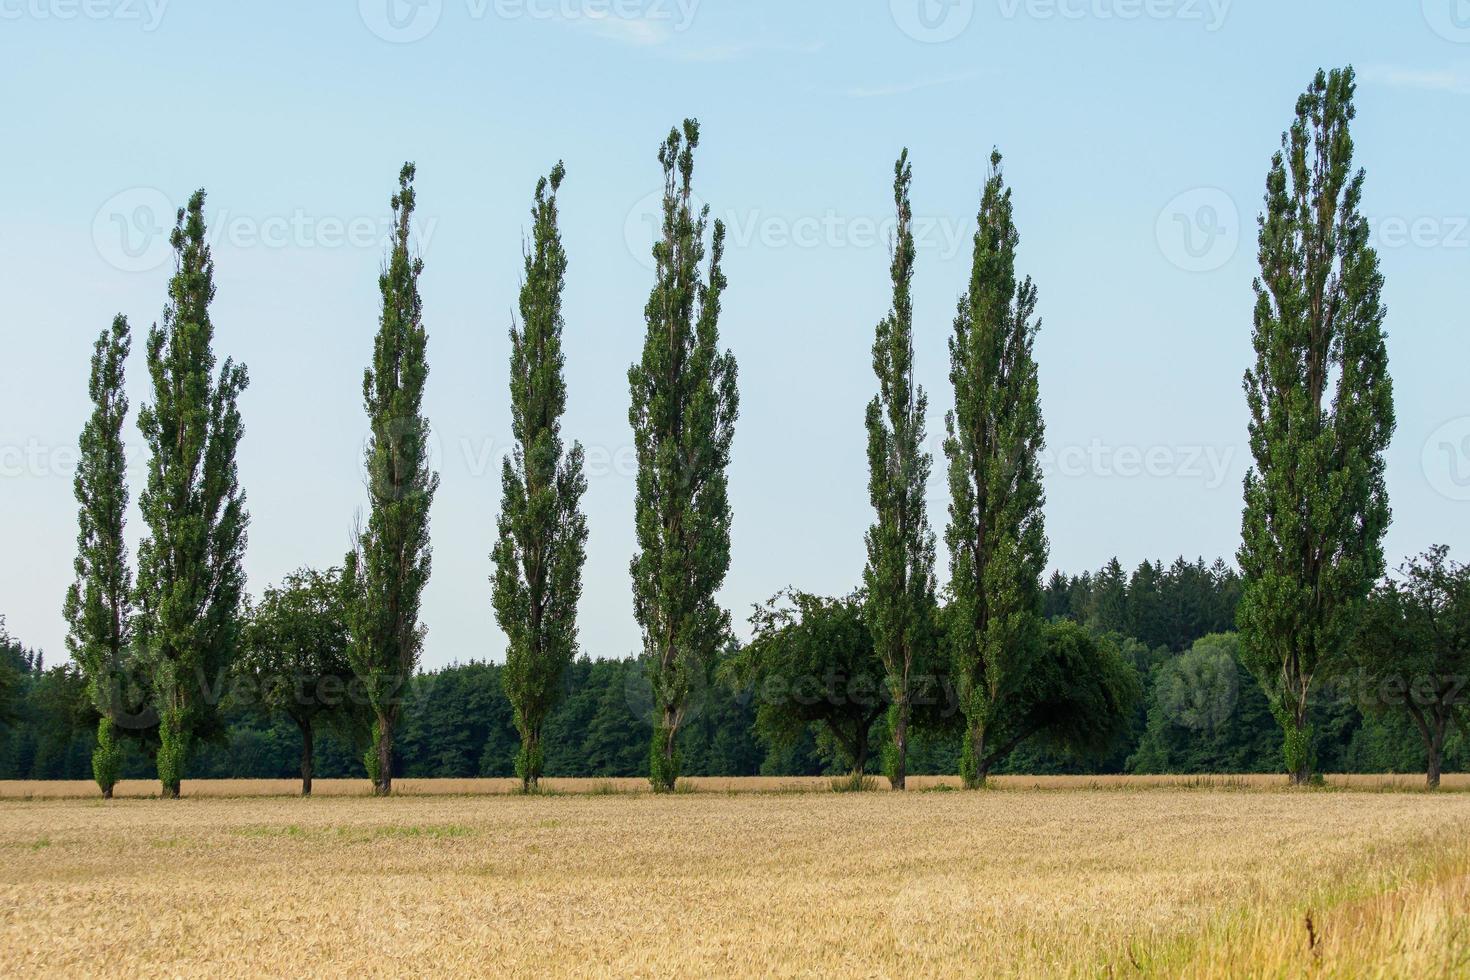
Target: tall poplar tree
[684,406]
[393,558]
[1322,414]
[190,580]
[99,604]
[543,534]
[996,535]
[899,577]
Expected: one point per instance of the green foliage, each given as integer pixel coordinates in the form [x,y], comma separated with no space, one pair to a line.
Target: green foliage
[1413,650]
[99,604]
[1321,407]
[457,722]
[1206,714]
[684,406]
[295,656]
[899,575]
[190,580]
[12,674]
[1077,699]
[811,663]
[393,558]
[996,535]
[107,757]
[1160,606]
[542,546]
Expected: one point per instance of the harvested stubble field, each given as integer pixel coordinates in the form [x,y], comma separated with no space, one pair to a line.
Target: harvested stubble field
[1072,881]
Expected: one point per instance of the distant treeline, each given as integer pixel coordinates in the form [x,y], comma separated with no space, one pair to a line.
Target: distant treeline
[1170,621]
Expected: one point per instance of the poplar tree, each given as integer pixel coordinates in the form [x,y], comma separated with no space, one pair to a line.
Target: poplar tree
[190,580]
[899,577]
[99,604]
[543,534]
[1322,414]
[996,535]
[388,571]
[684,406]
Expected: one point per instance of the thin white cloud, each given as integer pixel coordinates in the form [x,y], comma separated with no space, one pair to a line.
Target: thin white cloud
[904,88]
[1455,81]
[740,50]
[649,32]
[641,32]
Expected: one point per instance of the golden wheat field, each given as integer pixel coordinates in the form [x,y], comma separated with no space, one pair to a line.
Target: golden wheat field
[144,788]
[1071,881]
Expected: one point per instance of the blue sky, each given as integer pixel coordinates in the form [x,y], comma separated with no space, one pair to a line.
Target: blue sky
[1136,133]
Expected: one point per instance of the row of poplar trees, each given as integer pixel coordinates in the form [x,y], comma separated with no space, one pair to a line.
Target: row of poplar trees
[1316,510]
[1321,418]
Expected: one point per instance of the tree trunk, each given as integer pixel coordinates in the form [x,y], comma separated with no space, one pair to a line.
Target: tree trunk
[107,793]
[384,785]
[899,777]
[530,761]
[663,774]
[1436,754]
[308,755]
[1298,746]
[977,771]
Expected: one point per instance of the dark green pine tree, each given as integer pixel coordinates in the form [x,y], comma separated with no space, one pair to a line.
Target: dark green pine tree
[899,577]
[99,604]
[543,534]
[1322,414]
[190,580]
[996,536]
[388,572]
[684,406]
